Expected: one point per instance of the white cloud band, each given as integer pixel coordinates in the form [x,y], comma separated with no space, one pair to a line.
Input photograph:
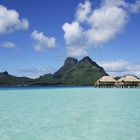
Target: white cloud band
[120,67]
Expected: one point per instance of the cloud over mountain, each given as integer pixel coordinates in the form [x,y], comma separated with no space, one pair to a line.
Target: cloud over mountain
[92,27]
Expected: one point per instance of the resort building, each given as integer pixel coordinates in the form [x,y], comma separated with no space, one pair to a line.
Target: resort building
[128,81]
[139,83]
[105,81]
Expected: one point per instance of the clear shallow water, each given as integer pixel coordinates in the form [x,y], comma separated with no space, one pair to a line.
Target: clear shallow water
[69,114]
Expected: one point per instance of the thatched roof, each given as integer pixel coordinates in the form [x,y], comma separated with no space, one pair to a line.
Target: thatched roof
[129,78]
[106,79]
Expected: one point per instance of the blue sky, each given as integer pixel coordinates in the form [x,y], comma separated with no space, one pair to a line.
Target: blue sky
[37,36]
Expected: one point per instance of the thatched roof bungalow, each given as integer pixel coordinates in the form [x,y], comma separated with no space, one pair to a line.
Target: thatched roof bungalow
[128,81]
[139,82]
[106,81]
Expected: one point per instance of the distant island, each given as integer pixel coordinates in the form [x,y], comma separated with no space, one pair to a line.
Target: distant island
[73,73]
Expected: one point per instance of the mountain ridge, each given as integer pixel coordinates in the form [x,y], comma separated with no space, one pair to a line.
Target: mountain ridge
[73,72]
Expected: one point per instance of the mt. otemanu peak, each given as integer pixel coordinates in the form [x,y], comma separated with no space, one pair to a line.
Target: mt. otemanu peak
[73,72]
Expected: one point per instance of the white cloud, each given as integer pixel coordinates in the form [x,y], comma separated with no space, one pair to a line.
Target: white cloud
[10,21]
[73,33]
[120,67]
[93,27]
[74,36]
[83,11]
[8,44]
[135,8]
[113,66]
[103,24]
[76,52]
[114,3]
[42,41]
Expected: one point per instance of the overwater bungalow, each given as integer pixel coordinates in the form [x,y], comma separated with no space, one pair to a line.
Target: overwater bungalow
[105,81]
[128,81]
[139,84]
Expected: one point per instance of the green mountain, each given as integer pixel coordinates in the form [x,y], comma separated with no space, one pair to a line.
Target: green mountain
[9,80]
[73,72]
[84,72]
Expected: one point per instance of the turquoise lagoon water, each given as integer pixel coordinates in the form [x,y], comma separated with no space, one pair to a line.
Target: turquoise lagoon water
[69,114]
